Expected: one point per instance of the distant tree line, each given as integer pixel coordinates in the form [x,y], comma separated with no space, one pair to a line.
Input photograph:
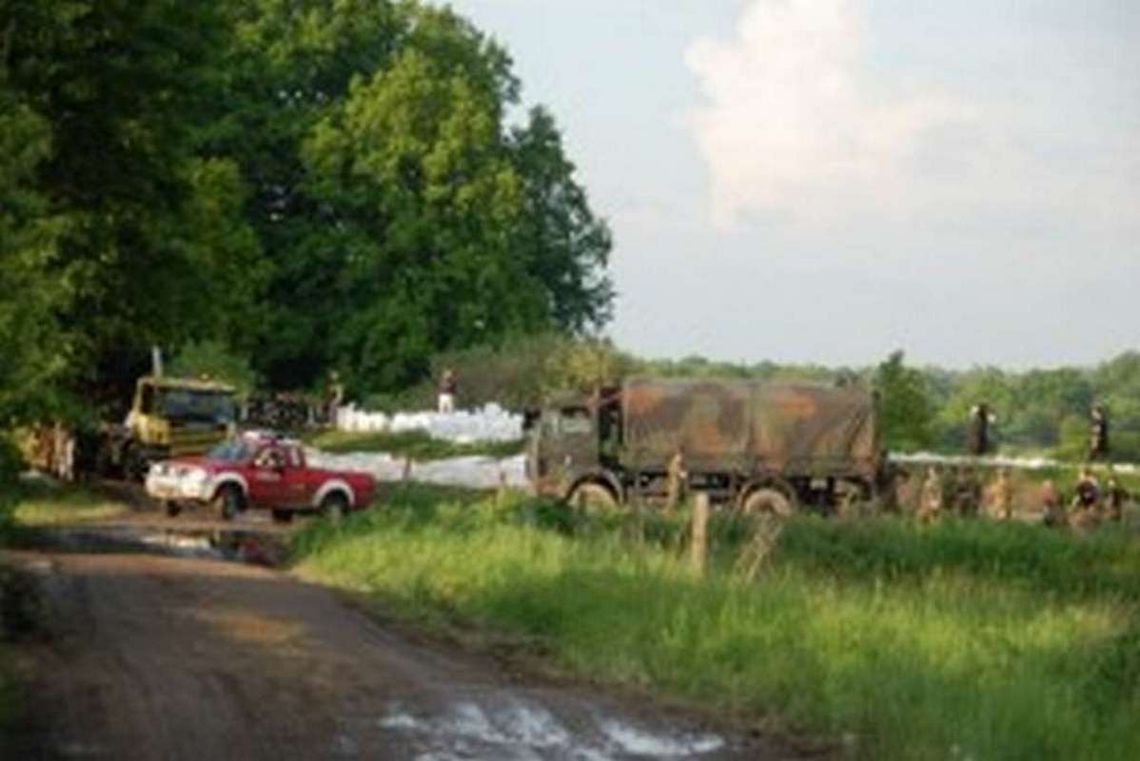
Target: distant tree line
[1038,411]
[291,185]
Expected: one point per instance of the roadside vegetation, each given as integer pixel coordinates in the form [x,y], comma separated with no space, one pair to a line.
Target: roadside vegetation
[963,639]
[37,505]
[418,445]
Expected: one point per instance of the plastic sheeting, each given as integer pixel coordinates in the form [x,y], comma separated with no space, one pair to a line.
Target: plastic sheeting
[490,423]
[470,472]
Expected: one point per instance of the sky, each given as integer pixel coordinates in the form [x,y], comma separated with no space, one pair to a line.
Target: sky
[830,180]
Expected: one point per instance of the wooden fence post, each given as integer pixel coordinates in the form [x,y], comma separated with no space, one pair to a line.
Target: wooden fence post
[698,547]
[501,493]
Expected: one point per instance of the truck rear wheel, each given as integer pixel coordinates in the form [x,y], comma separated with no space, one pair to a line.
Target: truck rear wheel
[135,466]
[767,500]
[592,497]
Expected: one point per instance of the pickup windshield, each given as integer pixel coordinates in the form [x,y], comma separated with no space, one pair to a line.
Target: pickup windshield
[231,451]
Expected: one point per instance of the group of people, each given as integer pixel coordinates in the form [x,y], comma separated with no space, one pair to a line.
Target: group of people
[1091,502]
[982,417]
[963,492]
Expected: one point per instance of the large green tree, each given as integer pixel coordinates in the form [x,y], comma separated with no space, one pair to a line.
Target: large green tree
[302,182]
[33,356]
[401,216]
[150,248]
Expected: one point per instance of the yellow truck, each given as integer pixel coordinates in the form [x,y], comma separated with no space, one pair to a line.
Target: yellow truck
[169,417]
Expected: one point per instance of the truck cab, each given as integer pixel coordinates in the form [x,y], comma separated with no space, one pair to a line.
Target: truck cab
[571,437]
[169,417]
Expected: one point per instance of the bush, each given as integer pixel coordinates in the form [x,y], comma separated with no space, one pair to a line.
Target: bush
[517,374]
[213,359]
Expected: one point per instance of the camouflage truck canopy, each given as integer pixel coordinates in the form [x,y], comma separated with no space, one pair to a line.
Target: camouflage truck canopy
[794,429]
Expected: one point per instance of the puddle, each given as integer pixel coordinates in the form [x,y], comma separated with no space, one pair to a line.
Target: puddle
[239,545]
[522,731]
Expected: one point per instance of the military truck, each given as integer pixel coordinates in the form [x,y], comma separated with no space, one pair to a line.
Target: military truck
[169,417]
[758,447]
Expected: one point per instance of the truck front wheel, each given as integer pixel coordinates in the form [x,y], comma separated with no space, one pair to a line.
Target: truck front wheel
[591,497]
[766,501]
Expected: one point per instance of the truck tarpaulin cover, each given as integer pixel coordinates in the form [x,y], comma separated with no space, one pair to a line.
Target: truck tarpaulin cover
[795,429]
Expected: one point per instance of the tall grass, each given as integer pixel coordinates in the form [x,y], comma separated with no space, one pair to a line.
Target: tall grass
[958,640]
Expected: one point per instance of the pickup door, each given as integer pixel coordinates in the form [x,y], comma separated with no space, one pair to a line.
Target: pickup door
[279,478]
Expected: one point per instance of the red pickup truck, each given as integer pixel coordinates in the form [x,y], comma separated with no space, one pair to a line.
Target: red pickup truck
[258,471]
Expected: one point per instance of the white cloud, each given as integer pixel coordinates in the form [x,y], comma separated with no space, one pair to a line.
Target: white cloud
[793,127]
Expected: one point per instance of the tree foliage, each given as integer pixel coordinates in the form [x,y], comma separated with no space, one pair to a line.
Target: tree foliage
[402,216]
[149,245]
[904,407]
[216,361]
[32,355]
[302,183]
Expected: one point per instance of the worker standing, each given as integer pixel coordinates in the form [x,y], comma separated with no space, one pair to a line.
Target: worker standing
[448,389]
[981,417]
[1001,496]
[677,476]
[1098,433]
[1115,497]
[930,497]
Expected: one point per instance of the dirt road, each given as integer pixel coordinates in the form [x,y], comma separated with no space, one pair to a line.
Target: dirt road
[161,657]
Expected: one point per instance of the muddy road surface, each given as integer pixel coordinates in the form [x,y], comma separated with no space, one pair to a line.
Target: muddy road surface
[156,651]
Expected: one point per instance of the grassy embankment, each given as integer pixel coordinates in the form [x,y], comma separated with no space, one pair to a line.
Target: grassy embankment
[417,445]
[42,505]
[964,639]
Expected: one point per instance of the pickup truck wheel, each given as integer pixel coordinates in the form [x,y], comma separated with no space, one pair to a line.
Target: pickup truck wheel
[766,501]
[334,507]
[227,503]
[282,516]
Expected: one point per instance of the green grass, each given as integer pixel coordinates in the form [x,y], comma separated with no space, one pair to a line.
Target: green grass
[37,506]
[961,639]
[415,444]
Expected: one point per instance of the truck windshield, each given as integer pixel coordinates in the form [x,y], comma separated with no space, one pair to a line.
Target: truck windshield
[575,421]
[199,406]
